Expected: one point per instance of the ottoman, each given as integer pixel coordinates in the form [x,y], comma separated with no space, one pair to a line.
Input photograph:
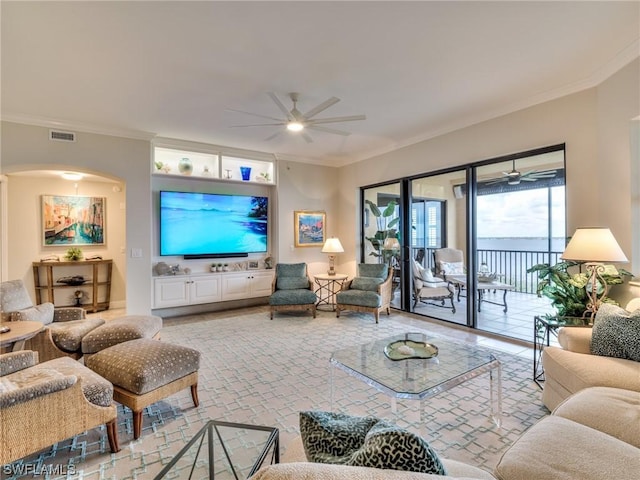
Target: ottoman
[145,371]
[119,330]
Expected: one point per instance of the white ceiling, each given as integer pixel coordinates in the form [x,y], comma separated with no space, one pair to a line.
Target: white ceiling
[415,69]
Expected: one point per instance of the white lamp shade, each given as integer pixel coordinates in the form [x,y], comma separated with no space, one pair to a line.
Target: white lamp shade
[332,245]
[594,244]
[391,243]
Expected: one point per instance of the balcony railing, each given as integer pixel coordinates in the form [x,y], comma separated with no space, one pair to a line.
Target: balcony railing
[511,265]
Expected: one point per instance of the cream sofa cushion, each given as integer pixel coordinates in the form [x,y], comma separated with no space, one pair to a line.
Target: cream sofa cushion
[610,410]
[560,449]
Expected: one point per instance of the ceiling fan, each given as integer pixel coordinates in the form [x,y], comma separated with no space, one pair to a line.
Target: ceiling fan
[514,177]
[296,121]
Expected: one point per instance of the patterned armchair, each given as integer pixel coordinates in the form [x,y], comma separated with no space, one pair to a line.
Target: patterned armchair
[429,289]
[65,327]
[49,402]
[292,289]
[370,291]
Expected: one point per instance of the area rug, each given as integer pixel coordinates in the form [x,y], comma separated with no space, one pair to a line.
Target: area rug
[260,371]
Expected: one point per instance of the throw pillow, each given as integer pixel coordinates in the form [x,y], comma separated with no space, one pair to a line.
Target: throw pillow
[366,283]
[292,283]
[376,270]
[42,313]
[616,333]
[452,268]
[365,442]
[427,275]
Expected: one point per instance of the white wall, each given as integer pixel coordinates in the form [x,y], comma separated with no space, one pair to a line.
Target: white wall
[594,125]
[28,148]
[25,224]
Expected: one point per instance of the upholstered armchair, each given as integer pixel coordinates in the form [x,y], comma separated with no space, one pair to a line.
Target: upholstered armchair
[430,289]
[65,327]
[370,291]
[449,262]
[49,402]
[292,289]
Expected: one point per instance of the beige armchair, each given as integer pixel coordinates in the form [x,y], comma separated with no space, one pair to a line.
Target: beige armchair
[429,289]
[49,402]
[65,327]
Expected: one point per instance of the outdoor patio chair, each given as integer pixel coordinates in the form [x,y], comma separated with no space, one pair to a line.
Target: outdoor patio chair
[429,289]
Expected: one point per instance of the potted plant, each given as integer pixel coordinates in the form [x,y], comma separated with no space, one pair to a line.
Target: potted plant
[73,254]
[385,229]
[568,292]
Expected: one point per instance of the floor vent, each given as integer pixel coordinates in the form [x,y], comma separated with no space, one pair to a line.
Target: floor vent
[59,136]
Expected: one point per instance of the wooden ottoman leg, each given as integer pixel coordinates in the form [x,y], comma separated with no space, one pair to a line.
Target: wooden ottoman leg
[137,423]
[112,435]
[194,394]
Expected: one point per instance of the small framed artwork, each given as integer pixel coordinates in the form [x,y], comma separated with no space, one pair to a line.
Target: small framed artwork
[309,228]
[73,220]
[253,264]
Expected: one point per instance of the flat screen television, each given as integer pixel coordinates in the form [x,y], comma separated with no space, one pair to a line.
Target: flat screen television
[210,225]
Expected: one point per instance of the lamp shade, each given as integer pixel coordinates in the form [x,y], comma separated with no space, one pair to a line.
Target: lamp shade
[593,244]
[391,243]
[332,245]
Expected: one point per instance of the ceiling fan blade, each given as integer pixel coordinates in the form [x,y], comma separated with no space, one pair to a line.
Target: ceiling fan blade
[527,179]
[493,182]
[258,125]
[351,118]
[307,137]
[280,105]
[537,175]
[254,114]
[323,106]
[329,130]
[271,137]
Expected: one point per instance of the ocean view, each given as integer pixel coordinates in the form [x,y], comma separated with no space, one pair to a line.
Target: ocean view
[525,244]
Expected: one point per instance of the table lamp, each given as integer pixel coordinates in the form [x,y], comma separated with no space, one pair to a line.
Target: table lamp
[331,246]
[594,245]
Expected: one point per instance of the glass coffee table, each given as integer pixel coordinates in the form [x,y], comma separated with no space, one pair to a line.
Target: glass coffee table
[419,378]
[224,450]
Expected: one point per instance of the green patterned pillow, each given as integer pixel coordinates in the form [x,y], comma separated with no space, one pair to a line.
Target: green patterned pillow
[369,284]
[375,270]
[365,442]
[616,333]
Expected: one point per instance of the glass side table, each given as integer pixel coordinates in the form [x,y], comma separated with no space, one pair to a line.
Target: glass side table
[224,450]
[543,328]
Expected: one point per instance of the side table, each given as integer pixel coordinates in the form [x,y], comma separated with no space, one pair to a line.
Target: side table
[20,332]
[543,328]
[328,286]
[241,451]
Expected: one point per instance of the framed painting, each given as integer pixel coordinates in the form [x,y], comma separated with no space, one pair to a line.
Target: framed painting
[73,220]
[309,228]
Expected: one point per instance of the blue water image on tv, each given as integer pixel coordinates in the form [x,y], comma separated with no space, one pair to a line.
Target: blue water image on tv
[206,223]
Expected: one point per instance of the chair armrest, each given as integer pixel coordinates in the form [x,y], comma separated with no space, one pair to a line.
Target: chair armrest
[66,314]
[346,285]
[14,396]
[16,361]
[387,283]
[310,282]
[575,339]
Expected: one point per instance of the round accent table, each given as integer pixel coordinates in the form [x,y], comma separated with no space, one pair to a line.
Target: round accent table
[328,286]
[20,332]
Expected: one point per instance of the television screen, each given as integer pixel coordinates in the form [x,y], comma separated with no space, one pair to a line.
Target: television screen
[212,224]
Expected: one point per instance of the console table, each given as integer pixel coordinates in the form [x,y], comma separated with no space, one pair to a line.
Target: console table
[99,285]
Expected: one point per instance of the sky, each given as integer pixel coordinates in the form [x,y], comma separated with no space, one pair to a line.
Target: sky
[520,214]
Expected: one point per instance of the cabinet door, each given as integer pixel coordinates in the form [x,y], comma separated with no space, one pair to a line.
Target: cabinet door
[261,284]
[170,291]
[236,286]
[206,289]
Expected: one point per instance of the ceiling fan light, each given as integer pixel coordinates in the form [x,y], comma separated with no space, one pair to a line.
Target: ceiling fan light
[513,181]
[295,126]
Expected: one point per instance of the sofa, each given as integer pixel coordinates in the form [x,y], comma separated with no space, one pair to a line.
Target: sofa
[592,435]
[573,367]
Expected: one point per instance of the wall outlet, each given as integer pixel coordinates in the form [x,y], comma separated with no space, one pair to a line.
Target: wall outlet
[136,253]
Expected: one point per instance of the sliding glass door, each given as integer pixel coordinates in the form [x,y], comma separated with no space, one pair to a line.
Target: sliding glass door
[461,241]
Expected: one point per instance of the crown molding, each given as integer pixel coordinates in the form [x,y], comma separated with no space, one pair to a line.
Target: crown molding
[77,127]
